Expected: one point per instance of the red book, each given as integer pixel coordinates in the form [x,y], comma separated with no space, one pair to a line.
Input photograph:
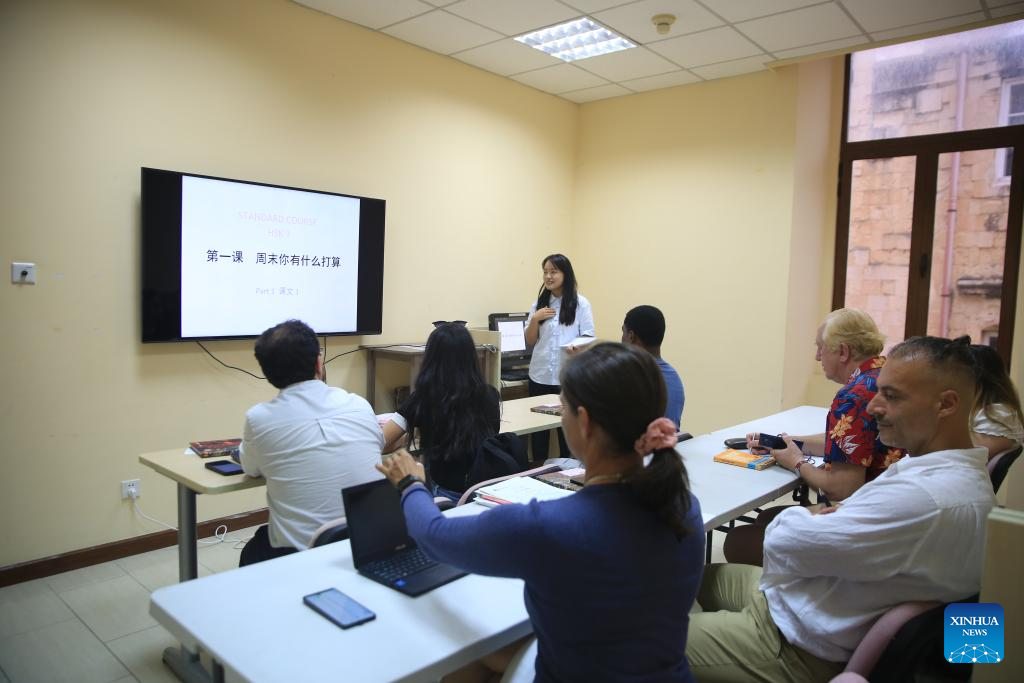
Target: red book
[215,448]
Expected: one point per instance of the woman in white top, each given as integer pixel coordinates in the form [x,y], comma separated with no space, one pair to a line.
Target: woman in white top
[998,424]
[559,316]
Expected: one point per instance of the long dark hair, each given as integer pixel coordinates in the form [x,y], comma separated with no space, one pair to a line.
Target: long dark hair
[624,391]
[449,398]
[994,384]
[570,300]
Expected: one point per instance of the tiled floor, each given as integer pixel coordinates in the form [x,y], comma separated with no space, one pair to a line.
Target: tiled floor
[92,625]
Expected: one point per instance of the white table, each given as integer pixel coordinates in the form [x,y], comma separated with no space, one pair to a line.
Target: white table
[253,622]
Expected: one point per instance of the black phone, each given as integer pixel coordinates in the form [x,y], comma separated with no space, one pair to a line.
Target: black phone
[770,441]
[737,444]
[225,467]
[339,608]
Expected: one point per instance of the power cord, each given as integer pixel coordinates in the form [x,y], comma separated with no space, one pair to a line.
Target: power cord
[220,534]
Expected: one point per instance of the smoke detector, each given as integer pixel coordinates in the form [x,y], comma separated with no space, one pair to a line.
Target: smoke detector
[663,22]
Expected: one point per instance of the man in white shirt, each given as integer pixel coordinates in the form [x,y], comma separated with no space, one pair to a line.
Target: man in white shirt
[917,532]
[309,442]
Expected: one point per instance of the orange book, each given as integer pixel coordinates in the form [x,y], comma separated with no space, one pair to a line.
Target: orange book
[745,459]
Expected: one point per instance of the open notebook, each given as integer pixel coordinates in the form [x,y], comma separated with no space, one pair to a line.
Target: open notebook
[518,490]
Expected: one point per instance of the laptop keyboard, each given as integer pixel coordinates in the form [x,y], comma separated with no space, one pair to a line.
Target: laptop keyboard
[399,566]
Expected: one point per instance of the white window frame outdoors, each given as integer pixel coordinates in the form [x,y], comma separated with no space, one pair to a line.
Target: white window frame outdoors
[1004,116]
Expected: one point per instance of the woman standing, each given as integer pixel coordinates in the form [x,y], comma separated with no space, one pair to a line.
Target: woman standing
[560,315]
[611,571]
[451,410]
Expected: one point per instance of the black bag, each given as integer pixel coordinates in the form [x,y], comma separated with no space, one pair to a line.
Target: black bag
[498,456]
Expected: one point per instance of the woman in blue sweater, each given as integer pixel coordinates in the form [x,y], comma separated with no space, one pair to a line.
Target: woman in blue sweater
[611,571]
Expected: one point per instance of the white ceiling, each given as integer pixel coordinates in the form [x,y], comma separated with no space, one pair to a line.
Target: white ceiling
[710,38]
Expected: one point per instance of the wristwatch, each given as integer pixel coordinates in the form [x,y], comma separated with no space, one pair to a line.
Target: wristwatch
[407,481]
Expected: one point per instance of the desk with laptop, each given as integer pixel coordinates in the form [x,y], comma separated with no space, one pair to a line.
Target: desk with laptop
[253,622]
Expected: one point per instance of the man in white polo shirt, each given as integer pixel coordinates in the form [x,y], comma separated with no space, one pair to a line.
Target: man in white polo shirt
[917,532]
[309,442]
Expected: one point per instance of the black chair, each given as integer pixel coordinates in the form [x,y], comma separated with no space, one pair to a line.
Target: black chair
[335,530]
[999,466]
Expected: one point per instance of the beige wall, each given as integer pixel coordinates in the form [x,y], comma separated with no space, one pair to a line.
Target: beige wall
[471,164]
[712,202]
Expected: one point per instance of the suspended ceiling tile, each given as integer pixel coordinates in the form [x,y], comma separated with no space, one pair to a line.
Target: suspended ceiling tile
[927,27]
[601,92]
[369,13]
[634,21]
[706,47]
[881,15]
[661,81]
[507,57]
[560,78]
[442,32]
[800,27]
[820,47]
[733,68]
[636,62]
[741,10]
[513,18]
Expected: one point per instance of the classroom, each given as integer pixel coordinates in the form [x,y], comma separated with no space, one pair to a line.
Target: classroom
[715,201]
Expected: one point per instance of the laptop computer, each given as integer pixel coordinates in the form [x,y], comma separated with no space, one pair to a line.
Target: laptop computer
[382,549]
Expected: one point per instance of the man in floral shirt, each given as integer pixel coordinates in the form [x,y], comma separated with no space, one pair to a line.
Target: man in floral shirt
[848,347]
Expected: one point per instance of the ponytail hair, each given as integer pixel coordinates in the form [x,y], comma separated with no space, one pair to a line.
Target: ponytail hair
[624,393]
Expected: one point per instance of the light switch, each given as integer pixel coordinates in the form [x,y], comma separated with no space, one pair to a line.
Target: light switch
[23,273]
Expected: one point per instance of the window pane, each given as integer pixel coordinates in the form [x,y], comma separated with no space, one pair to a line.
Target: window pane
[969,246]
[877,264]
[914,88]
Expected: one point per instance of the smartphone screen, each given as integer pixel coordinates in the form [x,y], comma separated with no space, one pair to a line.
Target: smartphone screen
[225,467]
[339,608]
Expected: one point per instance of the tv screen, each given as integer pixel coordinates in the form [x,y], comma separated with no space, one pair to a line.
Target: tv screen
[226,259]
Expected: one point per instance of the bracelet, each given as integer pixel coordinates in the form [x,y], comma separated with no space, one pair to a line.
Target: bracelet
[796,468]
[407,481]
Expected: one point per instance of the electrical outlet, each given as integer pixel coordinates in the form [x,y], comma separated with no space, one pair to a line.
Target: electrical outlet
[129,486]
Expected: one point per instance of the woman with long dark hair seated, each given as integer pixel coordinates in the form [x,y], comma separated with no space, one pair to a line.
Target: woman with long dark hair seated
[450,411]
[611,571]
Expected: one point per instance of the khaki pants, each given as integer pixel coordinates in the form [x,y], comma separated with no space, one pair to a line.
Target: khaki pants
[735,640]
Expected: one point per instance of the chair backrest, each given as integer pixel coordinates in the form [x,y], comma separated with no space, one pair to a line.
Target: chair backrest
[471,491]
[999,466]
[334,530]
[881,633]
[498,456]
[911,652]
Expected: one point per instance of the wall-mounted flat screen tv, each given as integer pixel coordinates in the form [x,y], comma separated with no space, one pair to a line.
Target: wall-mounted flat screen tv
[226,259]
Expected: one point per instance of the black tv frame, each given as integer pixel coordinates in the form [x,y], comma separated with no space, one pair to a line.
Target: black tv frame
[161,258]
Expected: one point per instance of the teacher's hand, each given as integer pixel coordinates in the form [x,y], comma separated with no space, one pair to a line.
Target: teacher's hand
[400,464]
[542,314]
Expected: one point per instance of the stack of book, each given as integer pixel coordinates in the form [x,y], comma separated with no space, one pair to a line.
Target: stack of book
[215,448]
[745,459]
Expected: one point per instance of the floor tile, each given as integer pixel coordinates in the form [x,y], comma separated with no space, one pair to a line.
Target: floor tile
[112,608]
[155,569]
[129,679]
[142,653]
[83,576]
[221,557]
[29,609]
[3,677]
[67,651]
[23,590]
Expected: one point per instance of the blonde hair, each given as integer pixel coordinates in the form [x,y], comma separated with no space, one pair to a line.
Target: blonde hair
[856,329]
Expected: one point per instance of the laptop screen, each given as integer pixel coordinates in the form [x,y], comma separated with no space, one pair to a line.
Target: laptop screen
[376,525]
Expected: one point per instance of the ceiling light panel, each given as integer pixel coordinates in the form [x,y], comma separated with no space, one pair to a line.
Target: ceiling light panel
[574,40]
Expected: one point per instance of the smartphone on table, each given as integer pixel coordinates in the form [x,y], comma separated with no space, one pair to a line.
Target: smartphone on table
[225,467]
[339,608]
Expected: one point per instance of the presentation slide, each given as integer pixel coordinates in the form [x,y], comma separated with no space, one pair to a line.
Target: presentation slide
[253,256]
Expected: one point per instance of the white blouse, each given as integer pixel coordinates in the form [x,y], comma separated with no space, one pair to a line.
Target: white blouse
[1005,425]
[546,360]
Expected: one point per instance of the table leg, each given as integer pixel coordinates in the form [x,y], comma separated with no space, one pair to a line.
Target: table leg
[186,665]
[188,564]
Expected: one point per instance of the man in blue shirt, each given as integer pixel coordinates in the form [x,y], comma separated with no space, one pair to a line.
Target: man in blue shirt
[644,326]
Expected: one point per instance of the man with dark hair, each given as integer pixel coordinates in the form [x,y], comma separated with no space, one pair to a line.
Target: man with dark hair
[916,532]
[644,326]
[309,442]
